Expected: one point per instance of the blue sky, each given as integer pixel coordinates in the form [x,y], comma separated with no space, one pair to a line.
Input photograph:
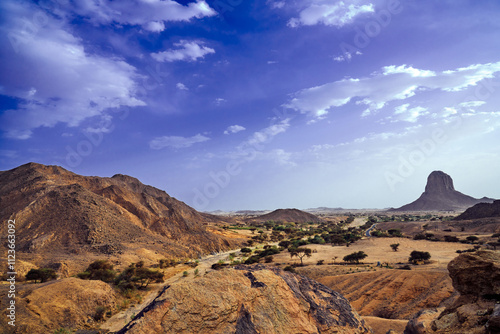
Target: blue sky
[232,104]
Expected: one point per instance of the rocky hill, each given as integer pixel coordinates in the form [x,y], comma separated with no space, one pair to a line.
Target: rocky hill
[287,215]
[440,195]
[248,300]
[481,210]
[58,212]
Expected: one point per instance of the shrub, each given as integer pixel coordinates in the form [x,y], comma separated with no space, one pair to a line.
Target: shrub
[395,247]
[137,277]
[320,262]
[42,274]
[450,238]
[185,274]
[99,270]
[246,250]
[100,311]
[268,259]
[290,269]
[252,259]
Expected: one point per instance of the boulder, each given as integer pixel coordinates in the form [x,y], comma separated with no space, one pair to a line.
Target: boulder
[421,323]
[476,273]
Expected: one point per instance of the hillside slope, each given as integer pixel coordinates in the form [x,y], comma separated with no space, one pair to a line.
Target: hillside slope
[287,215]
[59,212]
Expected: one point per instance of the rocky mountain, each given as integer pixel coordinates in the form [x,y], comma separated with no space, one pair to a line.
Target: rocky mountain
[287,215]
[248,300]
[440,195]
[60,212]
[481,210]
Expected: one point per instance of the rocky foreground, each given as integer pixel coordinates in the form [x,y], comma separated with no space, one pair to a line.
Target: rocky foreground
[476,276]
[248,300]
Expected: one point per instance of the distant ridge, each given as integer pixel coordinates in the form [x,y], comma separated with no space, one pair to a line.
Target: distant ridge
[481,210]
[440,195]
[287,215]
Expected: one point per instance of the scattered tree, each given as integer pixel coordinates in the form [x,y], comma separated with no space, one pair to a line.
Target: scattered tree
[99,270]
[300,253]
[417,256]
[472,238]
[395,247]
[42,274]
[355,257]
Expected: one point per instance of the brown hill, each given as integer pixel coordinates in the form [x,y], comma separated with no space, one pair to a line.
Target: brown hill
[248,300]
[481,210]
[59,212]
[67,303]
[440,195]
[287,215]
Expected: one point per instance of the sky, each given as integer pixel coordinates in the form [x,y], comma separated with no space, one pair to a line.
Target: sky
[265,104]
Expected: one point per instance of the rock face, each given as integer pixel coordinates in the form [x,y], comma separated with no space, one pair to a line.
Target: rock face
[481,210]
[248,300]
[57,211]
[477,277]
[287,215]
[476,273]
[440,195]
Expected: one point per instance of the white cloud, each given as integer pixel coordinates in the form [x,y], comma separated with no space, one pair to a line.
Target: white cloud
[331,14]
[154,26]
[234,129]
[392,84]
[150,14]
[181,86]
[218,101]
[387,70]
[266,134]
[187,51]
[56,80]
[347,56]
[402,113]
[176,141]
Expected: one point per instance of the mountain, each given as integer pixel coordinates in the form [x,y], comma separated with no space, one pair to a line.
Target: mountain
[59,212]
[440,195]
[287,215]
[248,300]
[481,210]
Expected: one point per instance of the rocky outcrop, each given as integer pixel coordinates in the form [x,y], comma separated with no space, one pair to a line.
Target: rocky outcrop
[248,300]
[481,210]
[476,276]
[476,273]
[440,195]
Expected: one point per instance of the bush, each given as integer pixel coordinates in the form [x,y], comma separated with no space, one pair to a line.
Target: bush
[417,256]
[99,270]
[450,238]
[252,259]
[246,250]
[42,274]
[290,269]
[320,262]
[268,259]
[185,274]
[137,276]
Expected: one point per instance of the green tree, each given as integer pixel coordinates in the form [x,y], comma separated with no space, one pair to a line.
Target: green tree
[99,270]
[42,274]
[395,247]
[417,256]
[355,257]
[300,253]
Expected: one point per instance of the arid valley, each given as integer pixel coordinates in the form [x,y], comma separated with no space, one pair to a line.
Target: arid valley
[111,255]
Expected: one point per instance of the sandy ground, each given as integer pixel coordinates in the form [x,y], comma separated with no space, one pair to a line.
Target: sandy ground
[379,250]
[382,326]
